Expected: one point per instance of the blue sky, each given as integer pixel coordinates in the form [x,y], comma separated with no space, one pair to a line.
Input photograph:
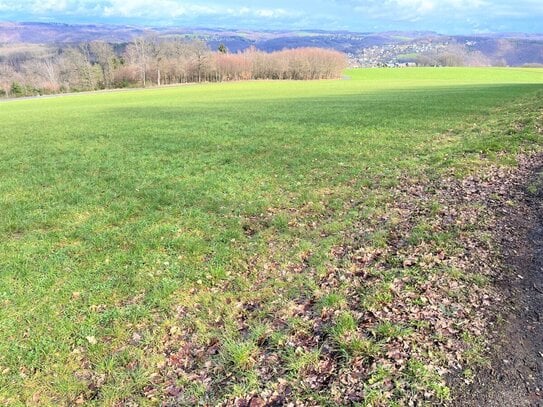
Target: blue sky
[446,16]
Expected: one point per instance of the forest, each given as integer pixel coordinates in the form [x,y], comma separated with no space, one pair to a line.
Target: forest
[154,61]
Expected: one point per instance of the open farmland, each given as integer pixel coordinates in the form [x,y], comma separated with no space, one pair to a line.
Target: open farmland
[204,243]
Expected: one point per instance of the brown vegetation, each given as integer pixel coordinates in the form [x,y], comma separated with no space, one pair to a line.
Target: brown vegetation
[154,60]
[456,55]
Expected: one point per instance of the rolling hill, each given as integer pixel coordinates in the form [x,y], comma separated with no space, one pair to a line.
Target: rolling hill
[513,49]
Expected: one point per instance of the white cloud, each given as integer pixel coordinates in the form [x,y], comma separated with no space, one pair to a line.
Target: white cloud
[139,9]
[416,10]
[175,9]
[52,5]
[438,15]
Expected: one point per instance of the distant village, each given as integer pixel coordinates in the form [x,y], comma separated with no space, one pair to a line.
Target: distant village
[396,55]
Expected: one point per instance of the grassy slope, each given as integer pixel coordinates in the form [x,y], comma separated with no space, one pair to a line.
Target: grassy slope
[117,207]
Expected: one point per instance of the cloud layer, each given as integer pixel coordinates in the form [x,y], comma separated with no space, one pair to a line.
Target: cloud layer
[451,16]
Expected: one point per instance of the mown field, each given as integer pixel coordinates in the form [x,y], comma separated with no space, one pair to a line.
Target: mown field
[170,245]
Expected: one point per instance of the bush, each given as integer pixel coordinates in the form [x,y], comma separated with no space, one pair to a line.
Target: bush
[17,89]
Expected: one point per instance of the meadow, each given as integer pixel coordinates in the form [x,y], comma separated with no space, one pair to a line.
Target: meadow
[135,225]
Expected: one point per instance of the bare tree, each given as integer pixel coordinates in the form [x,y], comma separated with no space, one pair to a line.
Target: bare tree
[105,57]
[200,52]
[43,76]
[8,76]
[157,51]
[48,69]
[78,67]
[138,52]
[151,58]
[179,59]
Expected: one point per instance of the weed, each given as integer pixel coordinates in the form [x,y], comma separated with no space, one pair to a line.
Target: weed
[332,300]
[379,296]
[240,355]
[344,323]
[388,330]
[298,361]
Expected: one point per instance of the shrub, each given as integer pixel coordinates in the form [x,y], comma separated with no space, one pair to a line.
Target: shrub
[17,89]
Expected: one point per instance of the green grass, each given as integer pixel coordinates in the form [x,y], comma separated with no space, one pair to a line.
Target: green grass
[119,208]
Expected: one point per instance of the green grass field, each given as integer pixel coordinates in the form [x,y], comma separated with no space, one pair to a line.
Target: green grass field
[131,218]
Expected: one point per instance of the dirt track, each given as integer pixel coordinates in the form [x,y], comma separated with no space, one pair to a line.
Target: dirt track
[515,377]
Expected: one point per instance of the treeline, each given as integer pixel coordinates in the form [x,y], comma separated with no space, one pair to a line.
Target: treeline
[152,60]
[455,55]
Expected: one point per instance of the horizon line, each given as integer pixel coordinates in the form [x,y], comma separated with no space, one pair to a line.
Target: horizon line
[223,28]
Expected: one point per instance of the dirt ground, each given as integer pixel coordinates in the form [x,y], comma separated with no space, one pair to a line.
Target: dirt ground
[515,377]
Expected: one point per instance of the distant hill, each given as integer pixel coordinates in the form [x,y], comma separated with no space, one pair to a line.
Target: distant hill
[365,49]
[49,33]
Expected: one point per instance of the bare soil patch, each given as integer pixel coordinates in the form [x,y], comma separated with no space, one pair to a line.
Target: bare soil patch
[514,376]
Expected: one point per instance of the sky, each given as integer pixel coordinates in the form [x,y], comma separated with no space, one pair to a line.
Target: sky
[444,16]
